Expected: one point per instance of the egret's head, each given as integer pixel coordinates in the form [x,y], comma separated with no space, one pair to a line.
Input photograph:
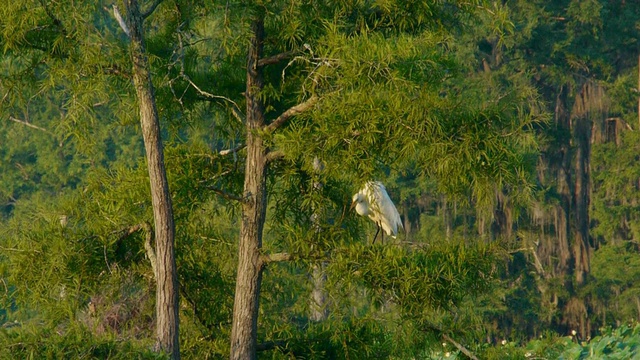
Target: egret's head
[359,202]
[356,199]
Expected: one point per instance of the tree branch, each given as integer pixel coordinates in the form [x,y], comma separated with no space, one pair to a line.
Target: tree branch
[148,242]
[151,9]
[56,21]
[120,20]
[30,125]
[231,151]
[266,259]
[463,349]
[448,338]
[18,250]
[274,155]
[291,112]
[275,58]
[148,248]
[234,109]
[270,345]
[226,195]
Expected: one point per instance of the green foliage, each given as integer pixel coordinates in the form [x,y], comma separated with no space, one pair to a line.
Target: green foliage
[619,343]
[441,100]
[420,280]
[70,343]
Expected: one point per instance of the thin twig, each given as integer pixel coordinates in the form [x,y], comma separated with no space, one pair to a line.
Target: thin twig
[18,250]
[226,195]
[106,259]
[30,125]
[234,109]
[179,53]
[6,288]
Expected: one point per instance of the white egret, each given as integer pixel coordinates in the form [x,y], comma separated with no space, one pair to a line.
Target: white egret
[373,201]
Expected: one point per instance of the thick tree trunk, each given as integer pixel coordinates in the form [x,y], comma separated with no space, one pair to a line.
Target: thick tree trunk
[581,194]
[563,227]
[589,103]
[166,276]
[246,303]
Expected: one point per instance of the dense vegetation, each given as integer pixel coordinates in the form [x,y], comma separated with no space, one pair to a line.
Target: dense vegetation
[505,132]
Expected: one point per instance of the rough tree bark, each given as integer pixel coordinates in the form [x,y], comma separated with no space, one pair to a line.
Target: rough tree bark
[251,262]
[166,276]
[563,227]
[246,302]
[581,198]
[590,104]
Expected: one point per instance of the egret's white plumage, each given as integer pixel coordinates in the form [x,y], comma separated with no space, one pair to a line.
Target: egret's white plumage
[373,201]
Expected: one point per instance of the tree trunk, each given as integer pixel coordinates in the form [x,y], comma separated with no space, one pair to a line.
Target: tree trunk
[407,222]
[563,178]
[318,309]
[589,103]
[581,195]
[446,218]
[249,276]
[166,276]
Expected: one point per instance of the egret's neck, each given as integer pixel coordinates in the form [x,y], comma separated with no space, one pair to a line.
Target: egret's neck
[362,209]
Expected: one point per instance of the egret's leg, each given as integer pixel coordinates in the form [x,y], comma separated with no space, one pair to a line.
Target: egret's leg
[376,236]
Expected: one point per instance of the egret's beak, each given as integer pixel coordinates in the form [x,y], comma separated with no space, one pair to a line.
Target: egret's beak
[353,204]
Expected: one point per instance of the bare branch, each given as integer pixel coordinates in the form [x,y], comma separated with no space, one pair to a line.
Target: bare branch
[291,112]
[148,247]
[277,257]
[30,125]
[128,231]
[237,113]
[18,250]
[463,349]
[226,195]
[179,52]
[148,243]
[120,20]
[275,58]
[151,9]
[235,109]
[232,150]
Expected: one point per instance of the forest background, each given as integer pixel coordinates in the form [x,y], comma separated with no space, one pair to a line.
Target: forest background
[169,160]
